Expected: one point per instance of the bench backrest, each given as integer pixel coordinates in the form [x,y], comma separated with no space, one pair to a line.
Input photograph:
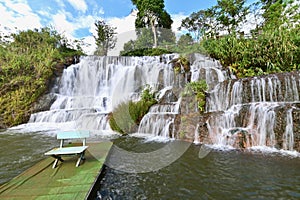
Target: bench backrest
[67,135]
[73,135]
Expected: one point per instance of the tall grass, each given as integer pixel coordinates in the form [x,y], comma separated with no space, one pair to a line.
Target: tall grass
[274,50]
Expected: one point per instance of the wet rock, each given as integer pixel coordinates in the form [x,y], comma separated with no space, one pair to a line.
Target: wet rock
[281,87]
[43,103]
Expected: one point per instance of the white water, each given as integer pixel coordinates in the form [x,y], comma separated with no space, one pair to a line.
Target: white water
[89,90]
[263,89]
[196,135]
[160,119]
[209,70]
[288,138]
[254,108]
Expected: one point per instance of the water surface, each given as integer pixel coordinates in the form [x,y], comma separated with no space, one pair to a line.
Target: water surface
[227,174]
[19,151]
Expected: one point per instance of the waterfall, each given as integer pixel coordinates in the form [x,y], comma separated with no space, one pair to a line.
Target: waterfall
[252,110]
[88,91]
[288,139]
[196,135]
[262,89]
[160,120]
[208,69]
[258,111]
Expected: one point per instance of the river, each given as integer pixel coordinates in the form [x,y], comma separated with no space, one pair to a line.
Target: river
[222,174]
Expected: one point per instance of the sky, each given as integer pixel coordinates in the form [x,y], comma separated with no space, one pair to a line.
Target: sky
[75,18]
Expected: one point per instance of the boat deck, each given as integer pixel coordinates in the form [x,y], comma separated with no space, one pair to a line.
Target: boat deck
[64,182]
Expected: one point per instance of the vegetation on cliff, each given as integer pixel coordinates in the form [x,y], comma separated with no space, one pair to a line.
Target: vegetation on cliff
[126,117]
[27,64]
[197,90]
[145,52]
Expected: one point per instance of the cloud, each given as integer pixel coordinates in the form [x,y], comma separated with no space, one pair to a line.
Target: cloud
[18,14]
[90,48]
[125,31]
[177,18]
[20,7]
[79,5]
[61,24]
[123,24]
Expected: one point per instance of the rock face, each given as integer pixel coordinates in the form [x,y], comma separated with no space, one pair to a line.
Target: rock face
[258,111]
[281,87]
[45,101]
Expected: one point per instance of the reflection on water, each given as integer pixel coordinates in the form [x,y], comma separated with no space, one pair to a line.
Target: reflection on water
[219,175]
[19,151]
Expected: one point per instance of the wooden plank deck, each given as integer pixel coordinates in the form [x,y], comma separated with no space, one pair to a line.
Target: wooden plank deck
[64,182]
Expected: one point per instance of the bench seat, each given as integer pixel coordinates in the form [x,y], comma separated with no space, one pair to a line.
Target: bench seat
[66,150]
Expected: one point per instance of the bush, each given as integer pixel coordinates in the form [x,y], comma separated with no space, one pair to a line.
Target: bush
[126,117]
[181,64]
[274,50]
[27,64]
[198,89]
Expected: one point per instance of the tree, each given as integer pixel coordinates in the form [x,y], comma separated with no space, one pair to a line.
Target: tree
[144,39]
[166,36]
[151,14]
[201,23]
[185,40]
[165,20]
[231,13]
[210,22]
[128,46]
[105,38]
[278,12]
[195,23]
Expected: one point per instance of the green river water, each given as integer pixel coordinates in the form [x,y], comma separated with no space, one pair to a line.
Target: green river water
[228,174]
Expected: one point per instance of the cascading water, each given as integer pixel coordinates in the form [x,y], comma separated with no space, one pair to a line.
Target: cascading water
[196,135]
[160,119]
[264,89]
[208,69]
[288,139]
[89,90]
[254,111]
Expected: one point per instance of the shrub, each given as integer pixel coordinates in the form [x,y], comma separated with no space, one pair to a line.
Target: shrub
[27,63]
[126,117]
[274,50]
[197,88]
[181,64]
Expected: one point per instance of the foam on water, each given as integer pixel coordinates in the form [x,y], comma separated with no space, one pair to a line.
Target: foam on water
[150,138]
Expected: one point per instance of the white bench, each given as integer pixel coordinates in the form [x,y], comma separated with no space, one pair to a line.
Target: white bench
[57,153]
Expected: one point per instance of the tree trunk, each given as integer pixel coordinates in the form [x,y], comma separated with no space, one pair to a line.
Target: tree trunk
[152,21]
